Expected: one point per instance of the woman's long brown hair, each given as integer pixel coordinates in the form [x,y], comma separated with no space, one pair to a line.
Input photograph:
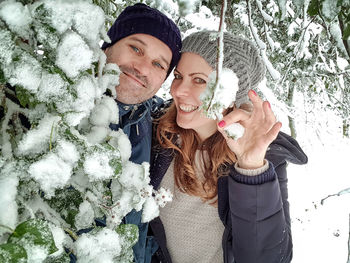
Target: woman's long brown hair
[218,156]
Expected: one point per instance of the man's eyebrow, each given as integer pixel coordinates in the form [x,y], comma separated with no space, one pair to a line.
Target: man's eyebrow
[138,40]
[144,44]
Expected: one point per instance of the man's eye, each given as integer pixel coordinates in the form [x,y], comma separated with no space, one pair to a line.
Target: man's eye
[158,65]
[199,81]
[135,49]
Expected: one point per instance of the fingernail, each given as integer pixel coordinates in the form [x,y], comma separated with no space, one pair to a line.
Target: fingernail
[268,104]
[254,93]
[222,124]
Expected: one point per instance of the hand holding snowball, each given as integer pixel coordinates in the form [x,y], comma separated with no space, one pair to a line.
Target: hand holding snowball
[260,129]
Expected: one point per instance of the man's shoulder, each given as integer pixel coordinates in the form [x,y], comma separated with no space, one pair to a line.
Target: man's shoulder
[159,107]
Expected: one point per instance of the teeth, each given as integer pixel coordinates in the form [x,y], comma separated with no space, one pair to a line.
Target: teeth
[187,108]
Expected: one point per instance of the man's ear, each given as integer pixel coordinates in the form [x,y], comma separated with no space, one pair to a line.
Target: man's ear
[107,52]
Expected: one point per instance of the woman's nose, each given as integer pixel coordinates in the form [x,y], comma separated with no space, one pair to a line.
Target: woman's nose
[180,88]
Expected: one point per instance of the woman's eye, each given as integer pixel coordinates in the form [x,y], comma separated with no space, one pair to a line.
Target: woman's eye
[177,76]
[199,81]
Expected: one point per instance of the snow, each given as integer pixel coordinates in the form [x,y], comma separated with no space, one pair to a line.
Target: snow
[150,210]
[105,112]
[234,130]
[52,87]
[88,21]
[68,152]
[211,21]
[217,99]
[6,47]
[119,140]
[51,172]
[85,217]
[37,140]
[27,73]
[73,55]
[136,173]
[17,17]
[97,134]
[101,247]
[8,189]
[96,166]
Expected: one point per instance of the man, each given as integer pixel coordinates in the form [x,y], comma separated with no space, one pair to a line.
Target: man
[146,45]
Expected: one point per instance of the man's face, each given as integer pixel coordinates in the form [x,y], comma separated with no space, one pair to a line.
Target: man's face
[144,61]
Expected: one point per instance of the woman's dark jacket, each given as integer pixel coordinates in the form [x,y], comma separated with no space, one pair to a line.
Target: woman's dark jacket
[253,209]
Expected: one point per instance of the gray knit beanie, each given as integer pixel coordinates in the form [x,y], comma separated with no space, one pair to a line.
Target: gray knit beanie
[240,56]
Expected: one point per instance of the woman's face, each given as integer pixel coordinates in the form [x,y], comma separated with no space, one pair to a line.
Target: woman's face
[191,77]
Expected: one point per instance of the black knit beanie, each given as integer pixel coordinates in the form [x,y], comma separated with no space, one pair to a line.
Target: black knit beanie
[142,19]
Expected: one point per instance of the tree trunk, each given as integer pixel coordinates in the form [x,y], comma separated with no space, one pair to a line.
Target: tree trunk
[346,127]
[291,121]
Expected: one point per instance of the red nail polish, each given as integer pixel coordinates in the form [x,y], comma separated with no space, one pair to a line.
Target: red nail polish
[222,124]
[268,104]
[254,92]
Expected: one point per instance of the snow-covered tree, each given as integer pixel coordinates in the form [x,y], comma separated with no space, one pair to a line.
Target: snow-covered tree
[61,166]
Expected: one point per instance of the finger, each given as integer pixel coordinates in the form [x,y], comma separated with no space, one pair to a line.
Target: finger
[257,104]
[273,132]
[270,117]
[255,99]
[234,116]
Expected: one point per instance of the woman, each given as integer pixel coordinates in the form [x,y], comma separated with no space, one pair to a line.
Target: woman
[230,196]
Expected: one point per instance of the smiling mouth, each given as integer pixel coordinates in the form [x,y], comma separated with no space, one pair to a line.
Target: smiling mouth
[134,79]
[188,108]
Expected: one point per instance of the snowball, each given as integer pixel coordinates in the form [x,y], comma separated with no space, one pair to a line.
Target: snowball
[51,172]
[234,131]
[101,247]
[37,140]
[135,176]
[150,210]
[96,166]
[221,97]
[73,55]
[67,152]
[85,217]
[8,190]
[121,142]
[17,17]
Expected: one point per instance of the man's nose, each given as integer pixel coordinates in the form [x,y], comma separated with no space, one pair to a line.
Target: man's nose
[143,66]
